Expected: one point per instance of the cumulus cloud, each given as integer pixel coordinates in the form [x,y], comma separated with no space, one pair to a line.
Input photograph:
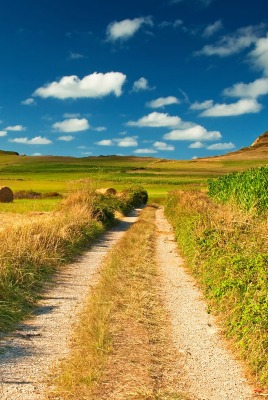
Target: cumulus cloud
[15,128]
[196,145]
[195,133]
[3,133]
[72,125]
[127,142]
[243,106]
[201,106]
[35,140]
[130,141]
[248,90]
[28,102]
[124,30]
[162,102]
[157,120]
[221,146]
[66,138]
[95,85]
[210,30]
[259,56]
[141,85]
[163,146]
[242,39]
[145,151]
[105,142]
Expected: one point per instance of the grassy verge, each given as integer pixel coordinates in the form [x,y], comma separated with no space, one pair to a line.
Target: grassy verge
[120,347]
[32,248]
[228,254]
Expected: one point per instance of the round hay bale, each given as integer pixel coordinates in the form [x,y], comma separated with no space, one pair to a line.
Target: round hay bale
[6,195]
[107,191]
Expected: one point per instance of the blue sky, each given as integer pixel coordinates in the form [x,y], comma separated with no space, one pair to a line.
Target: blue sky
[175,79]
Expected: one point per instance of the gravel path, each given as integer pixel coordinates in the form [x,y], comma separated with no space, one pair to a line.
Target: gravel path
[27,355]
[210,372]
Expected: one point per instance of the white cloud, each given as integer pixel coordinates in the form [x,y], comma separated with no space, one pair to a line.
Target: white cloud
[242,39]
[248,90]
[15,128]
[163,146]
[201,106]
[130,141]
[100,129]
[259,56]
[36,154]
[141,85]
[162,102]
[145,151]
[28,102]
[195,133]
[91,86]
[3,133]
[157,120]
[105,142]
[66,138]
[127,142]
[35,140]
[244,106]
[124,30]
[213,28]
[221,146]
[72,125]
[196,145]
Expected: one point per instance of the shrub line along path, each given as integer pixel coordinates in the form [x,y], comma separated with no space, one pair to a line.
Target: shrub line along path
[207,370]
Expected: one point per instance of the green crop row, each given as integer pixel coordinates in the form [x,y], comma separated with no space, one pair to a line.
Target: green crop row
[248,190]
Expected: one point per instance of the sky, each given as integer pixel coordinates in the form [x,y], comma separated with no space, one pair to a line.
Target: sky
[176,79]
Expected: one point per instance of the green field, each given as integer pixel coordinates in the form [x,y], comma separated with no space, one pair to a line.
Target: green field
[66,174]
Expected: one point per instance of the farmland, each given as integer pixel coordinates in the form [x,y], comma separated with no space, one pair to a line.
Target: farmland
[66,174]
[221,232]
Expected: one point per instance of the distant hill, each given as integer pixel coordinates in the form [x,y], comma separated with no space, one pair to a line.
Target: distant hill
[258,150]
[8,153]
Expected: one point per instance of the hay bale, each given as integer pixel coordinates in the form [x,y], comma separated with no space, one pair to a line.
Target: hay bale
[107,191]
[6,195]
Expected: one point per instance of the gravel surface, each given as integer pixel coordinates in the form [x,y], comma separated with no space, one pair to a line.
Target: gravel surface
[27,355]
[210,372]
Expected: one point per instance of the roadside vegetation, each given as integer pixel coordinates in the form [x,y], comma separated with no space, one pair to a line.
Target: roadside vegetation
[33,247]
[121,347]
[226,249]
[248,190]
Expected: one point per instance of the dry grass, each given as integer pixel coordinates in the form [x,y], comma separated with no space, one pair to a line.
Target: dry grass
[121,348]
[32,247]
